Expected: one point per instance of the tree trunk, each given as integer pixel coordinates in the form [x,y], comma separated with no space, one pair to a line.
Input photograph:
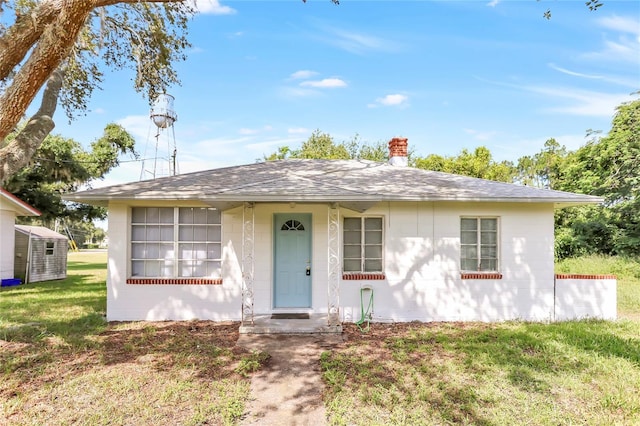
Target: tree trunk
[18,153]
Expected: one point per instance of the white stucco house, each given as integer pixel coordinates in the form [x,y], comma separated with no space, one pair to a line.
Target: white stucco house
[306,236]
[10,208]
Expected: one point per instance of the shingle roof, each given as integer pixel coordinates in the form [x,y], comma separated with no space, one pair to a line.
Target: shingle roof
[40,231]
[8,201]
[325,181]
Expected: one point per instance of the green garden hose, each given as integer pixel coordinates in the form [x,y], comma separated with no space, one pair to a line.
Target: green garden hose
[365,315]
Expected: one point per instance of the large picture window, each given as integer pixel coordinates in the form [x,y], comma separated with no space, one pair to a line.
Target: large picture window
[362,244]
[479,244]
[168,242]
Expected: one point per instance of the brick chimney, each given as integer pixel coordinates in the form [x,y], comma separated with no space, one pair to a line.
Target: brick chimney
[398,152]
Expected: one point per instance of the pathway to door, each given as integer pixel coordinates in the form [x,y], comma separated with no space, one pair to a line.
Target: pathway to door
[288,391]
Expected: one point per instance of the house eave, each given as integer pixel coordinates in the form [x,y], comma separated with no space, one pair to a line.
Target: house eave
[225,202]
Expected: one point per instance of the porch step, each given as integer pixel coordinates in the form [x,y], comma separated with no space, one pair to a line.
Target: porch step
[265,324]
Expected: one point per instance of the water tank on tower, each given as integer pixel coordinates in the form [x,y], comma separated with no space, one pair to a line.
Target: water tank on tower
[157,162]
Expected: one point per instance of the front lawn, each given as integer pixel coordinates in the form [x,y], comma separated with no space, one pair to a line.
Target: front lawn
[61,363]
[580,372]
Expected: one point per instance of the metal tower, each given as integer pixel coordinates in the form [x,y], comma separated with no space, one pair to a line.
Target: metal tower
[161,163]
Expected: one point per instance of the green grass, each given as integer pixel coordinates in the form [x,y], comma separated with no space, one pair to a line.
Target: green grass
[568,373]
[61,363]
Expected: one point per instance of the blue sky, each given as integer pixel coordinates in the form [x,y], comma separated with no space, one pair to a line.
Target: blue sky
[447,75]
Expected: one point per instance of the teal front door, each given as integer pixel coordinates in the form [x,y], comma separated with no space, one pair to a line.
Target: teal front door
[292,261]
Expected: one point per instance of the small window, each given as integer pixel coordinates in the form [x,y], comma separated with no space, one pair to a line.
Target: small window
[479,244]
[49,248]
[362,244]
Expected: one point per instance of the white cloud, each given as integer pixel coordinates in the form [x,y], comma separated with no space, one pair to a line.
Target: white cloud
[211,7]
[626,47]
[138,125]
[573,73]
[302,75]
[325,83]
[359,43]
[396,99]
[582,102]
[620,23]
[493,3]
[297,130]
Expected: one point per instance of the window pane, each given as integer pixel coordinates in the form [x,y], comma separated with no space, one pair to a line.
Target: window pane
[373,237]
[185,215]
[153,233]
[137,268]
[200,251]
[152,268]
[373,252]
[469,237]
[138,233]
[200,215]
[468,224]
[185,233]
[166,251]
[352,252]
[152,251]
[153,215]
[200,233]
[488,265]
[138,215]
[138,251]
[352,237]
[489,224]
[488,237]
[166,215]
[166,233]
[186,268]
[469,264]
[469,252]
[200,269]
[373,265]
[373,223]
[213,216]
[352,265]
[166,269]
[489,252]
[214,251]
[214,233]
[352,223]
[213,269]
[185,251]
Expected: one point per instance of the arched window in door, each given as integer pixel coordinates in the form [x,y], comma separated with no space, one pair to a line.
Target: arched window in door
[292,225]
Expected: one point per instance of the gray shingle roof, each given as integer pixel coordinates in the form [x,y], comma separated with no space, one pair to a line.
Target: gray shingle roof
[324,181]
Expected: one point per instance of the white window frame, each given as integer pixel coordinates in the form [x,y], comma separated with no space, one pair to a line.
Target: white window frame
[363,245]
[49,250]
[479,244]
[174,262]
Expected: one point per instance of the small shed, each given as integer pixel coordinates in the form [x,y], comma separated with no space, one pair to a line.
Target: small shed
[40,254]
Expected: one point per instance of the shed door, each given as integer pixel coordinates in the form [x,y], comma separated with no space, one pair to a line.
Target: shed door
[292,261]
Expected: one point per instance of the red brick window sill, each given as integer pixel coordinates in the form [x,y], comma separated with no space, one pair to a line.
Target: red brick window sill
[174,281]
[584,277]
[480,276]
[363,276]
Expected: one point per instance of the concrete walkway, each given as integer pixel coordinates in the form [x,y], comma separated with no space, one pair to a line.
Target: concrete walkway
[288,391]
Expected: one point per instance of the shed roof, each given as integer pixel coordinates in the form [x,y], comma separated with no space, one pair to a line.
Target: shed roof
[39,231]
[8,201]
[355,183]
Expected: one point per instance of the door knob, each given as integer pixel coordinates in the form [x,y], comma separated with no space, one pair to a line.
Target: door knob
[308,270]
